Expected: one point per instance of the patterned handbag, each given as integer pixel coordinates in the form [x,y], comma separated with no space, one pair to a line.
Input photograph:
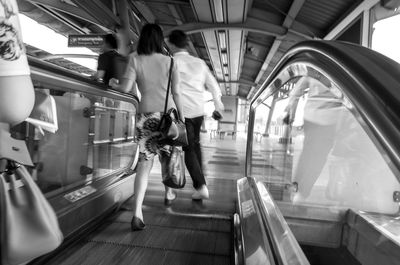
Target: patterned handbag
[172,128]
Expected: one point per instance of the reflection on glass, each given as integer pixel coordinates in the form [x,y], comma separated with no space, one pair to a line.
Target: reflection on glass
[313,149]
[94,138]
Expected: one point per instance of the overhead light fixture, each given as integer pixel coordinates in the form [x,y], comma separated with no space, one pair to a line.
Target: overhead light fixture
[219,13]
[224,58]
[226,71]
[222,39]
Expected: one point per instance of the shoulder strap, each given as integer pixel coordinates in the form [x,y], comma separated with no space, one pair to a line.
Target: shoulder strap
[168,85]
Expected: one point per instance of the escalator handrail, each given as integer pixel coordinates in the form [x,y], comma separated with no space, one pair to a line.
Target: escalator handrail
[49,71]
[279,243]
[374,90]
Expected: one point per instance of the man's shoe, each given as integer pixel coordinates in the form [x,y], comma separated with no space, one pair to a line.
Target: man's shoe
[201,193]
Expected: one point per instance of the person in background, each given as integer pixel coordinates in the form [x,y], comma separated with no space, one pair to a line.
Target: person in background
[322,111]
[149,68]
[195,79]
[110,62]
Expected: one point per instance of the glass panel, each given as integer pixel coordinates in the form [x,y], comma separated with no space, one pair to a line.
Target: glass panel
[95,137]
[317,150]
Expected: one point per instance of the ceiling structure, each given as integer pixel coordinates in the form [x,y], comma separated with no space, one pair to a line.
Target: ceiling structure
[240,40]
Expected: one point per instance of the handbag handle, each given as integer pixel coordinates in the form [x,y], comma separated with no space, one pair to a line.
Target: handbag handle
[174,112]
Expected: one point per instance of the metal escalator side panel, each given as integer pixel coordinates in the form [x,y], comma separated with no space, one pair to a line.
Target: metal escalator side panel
[256,245]
[283,238]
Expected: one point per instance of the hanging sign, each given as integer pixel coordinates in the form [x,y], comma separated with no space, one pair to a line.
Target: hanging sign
[90,41]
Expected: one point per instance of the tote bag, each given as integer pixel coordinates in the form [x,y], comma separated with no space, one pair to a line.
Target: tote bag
[29,226]
[173,168]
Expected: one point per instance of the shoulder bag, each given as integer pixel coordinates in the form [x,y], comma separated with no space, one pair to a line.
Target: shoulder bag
[171,126]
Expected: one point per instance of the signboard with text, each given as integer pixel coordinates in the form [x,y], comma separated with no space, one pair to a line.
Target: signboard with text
[89,41]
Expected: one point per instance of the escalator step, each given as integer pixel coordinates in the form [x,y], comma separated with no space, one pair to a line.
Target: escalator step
[93,253]
[167,220]
[166,238]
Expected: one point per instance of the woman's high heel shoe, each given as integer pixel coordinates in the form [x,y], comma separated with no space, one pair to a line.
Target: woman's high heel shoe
[137,224]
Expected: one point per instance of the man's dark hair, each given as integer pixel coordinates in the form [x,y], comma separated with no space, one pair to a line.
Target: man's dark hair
[111,41]
[178,38]
[151,40]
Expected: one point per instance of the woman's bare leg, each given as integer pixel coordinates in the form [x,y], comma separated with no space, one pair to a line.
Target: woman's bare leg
[141,179]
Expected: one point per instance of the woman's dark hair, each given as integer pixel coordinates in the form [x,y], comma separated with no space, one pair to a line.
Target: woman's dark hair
[151,40]
[111,41]
[178,38]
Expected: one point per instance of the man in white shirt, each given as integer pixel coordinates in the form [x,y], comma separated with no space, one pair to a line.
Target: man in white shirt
[195,77]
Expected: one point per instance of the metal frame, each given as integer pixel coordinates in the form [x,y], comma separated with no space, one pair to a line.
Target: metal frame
[259,212]
[251,25]
[66,8]
[364,6]
[100,12]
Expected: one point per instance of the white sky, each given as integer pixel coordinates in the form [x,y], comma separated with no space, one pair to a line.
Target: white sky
[386,37]
[50,41]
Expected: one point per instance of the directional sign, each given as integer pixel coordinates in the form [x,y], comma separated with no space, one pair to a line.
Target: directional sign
[93,41]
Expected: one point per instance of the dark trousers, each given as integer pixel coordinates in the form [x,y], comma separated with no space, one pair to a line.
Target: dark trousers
[193,151]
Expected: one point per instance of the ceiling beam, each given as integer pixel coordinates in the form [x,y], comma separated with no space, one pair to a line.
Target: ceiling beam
[100,12]
[272,17]
[287,23]
[250,25]
[168,2]
[257,41]
[364,6]
[253,58]
[66,21]
[144,11]
[239,82]
[66,8]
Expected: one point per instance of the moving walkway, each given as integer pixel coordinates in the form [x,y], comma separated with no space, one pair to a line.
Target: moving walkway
[343,211]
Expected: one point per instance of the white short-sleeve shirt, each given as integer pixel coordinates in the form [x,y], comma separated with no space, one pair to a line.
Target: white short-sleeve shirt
[151,72]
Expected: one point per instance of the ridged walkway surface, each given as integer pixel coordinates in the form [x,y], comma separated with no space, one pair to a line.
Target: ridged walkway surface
[186,232]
